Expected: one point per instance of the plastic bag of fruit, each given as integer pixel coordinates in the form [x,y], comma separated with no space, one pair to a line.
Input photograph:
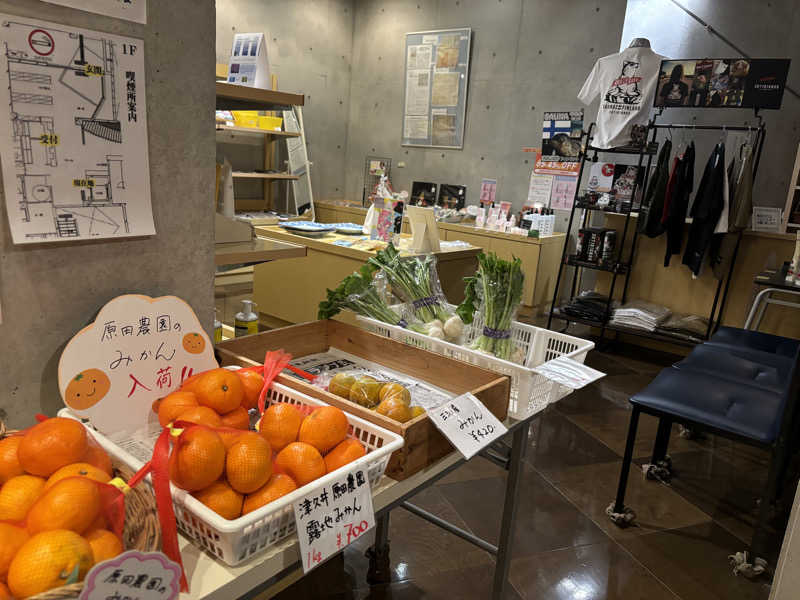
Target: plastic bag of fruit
[388,398]
[61,511]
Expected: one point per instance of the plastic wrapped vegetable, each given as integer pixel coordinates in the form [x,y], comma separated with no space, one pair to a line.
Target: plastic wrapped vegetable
[358,293]
[495,290]
[416,282]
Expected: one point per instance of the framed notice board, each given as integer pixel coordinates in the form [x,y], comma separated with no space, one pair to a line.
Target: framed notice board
[435,88]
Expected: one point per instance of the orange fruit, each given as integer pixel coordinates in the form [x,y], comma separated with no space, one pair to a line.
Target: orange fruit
[366,391]
[18,495]
[324,428]
[302,462]
[222,499]
[71,503]
[47,560]
[277,486]
[198,459]
[9,463]
[229,436]
[200,415]
[100,522]
[97,457]
[238,418]
[105,545]
[395,390]
[174,404]
[194,343]
[219,389]
[248,465]
[78,470]
[86,389]
[12,539]
[52,444]
[340,384]
[189,383]
[346,452]
[5,594]
[280,425]
[252,382]
[395,408]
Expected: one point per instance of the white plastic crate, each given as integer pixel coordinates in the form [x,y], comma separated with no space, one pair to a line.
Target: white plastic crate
[236,541]
[530,392]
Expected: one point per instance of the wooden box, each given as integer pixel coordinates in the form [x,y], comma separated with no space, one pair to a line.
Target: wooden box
[424,444]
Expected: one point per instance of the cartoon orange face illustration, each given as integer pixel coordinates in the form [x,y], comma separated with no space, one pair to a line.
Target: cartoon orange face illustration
[193,343]
[86,389]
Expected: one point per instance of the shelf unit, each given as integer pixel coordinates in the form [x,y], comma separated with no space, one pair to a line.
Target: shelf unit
[626,267]
[249,175]
[253,130]
[793,197]
[240,97]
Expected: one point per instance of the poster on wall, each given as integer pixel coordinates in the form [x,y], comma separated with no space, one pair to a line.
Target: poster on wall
[561,136]
[73,133]
[131,10]
[722,83]
[435,95]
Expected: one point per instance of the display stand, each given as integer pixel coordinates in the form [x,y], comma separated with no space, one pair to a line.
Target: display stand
[624,266]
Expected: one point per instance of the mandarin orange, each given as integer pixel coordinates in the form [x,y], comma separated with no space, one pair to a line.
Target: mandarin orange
[219,389]
[252,382]
[9,462]
[248,465]
[52,444]
[18,495]
[222,499]
[174,404]
[12,539]
[324,428]
[78,470]
[98,457]
[238,418]
[105,544]
[201,415]
[197,460]
[280,425]
[302,462]
[345,452]
[71,503]
[277,486]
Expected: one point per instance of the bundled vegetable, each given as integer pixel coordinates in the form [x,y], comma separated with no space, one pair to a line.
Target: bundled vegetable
[357,292]
[416,282]
[495,289]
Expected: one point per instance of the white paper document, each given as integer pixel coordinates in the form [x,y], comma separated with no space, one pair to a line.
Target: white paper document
[73,133]
[419,57]
[445,89]
[415,128]
[132,10]
[539,189]
[467,423]
[569,372]
[418,91]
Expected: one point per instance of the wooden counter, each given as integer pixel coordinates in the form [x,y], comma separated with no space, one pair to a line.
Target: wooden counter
[289,291]
[539,256]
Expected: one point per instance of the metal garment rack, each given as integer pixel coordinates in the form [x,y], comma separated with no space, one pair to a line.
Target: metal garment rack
[623,266]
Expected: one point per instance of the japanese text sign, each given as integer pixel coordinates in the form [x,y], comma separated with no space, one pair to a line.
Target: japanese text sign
[333,516]
[467,423]
[133,575]
[138,349]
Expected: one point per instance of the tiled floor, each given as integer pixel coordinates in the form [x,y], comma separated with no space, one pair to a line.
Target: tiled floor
[565,548]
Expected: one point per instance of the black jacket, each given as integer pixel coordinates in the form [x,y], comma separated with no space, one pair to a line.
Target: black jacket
[706,210]
[678,203]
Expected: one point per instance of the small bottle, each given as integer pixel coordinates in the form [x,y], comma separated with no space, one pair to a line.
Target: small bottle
[536,222]
[246,322]
[217,328]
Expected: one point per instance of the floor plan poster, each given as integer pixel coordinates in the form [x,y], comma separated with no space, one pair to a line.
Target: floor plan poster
[73,133]
[132,10]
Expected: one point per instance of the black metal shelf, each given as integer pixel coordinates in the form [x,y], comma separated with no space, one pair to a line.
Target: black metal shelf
[613,211]
[613,267]
[650,150]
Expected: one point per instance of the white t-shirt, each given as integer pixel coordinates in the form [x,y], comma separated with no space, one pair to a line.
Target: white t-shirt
[627,82]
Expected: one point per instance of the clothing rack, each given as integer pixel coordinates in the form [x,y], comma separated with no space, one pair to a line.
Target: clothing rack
[624,266]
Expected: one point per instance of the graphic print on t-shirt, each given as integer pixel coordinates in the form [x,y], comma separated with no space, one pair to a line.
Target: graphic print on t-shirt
[624,91]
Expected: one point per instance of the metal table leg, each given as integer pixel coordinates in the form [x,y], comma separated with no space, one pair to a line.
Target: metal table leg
[379,565]
[504,545]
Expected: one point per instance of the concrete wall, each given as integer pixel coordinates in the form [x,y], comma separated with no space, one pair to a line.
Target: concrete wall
[762,30]
[310,51]
[48,292]
[528,56]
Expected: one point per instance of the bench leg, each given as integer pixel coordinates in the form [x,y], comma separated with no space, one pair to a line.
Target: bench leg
[617,511]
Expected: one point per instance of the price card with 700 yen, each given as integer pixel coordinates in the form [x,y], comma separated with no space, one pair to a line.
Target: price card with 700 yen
[467,423]
[333,515]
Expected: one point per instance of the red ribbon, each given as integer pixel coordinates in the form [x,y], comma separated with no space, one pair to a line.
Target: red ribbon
[274,362]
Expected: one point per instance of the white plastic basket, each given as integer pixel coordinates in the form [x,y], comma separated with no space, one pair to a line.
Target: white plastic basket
[236,541]
[530,392]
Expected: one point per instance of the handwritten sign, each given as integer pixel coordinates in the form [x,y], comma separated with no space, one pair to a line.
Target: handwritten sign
[467,423]
[137,350]
[332,516]
[133,575]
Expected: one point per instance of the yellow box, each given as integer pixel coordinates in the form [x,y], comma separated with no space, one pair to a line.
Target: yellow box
[271,123]
[246,118]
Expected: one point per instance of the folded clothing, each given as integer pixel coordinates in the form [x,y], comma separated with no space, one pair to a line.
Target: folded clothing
[689,326]
[640,315]
[587,305]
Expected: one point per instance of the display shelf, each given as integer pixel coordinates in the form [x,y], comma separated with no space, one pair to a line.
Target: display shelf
[255,130]
[587,206]
[239,97]
[253,175]
[616,267]
[649,151]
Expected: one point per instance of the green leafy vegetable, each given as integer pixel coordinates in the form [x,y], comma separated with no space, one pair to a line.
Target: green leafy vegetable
[357,293]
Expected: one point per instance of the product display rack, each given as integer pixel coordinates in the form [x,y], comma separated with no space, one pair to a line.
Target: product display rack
[626,267]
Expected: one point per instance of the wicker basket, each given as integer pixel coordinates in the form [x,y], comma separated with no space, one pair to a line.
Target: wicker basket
[142,529]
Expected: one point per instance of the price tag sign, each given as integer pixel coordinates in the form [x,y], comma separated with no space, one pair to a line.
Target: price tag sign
[467,423]
[332,516]
[133,574]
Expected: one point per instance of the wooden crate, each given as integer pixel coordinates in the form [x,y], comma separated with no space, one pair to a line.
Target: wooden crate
[424,444]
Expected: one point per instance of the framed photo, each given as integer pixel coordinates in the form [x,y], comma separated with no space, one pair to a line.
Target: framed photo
[766,218]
